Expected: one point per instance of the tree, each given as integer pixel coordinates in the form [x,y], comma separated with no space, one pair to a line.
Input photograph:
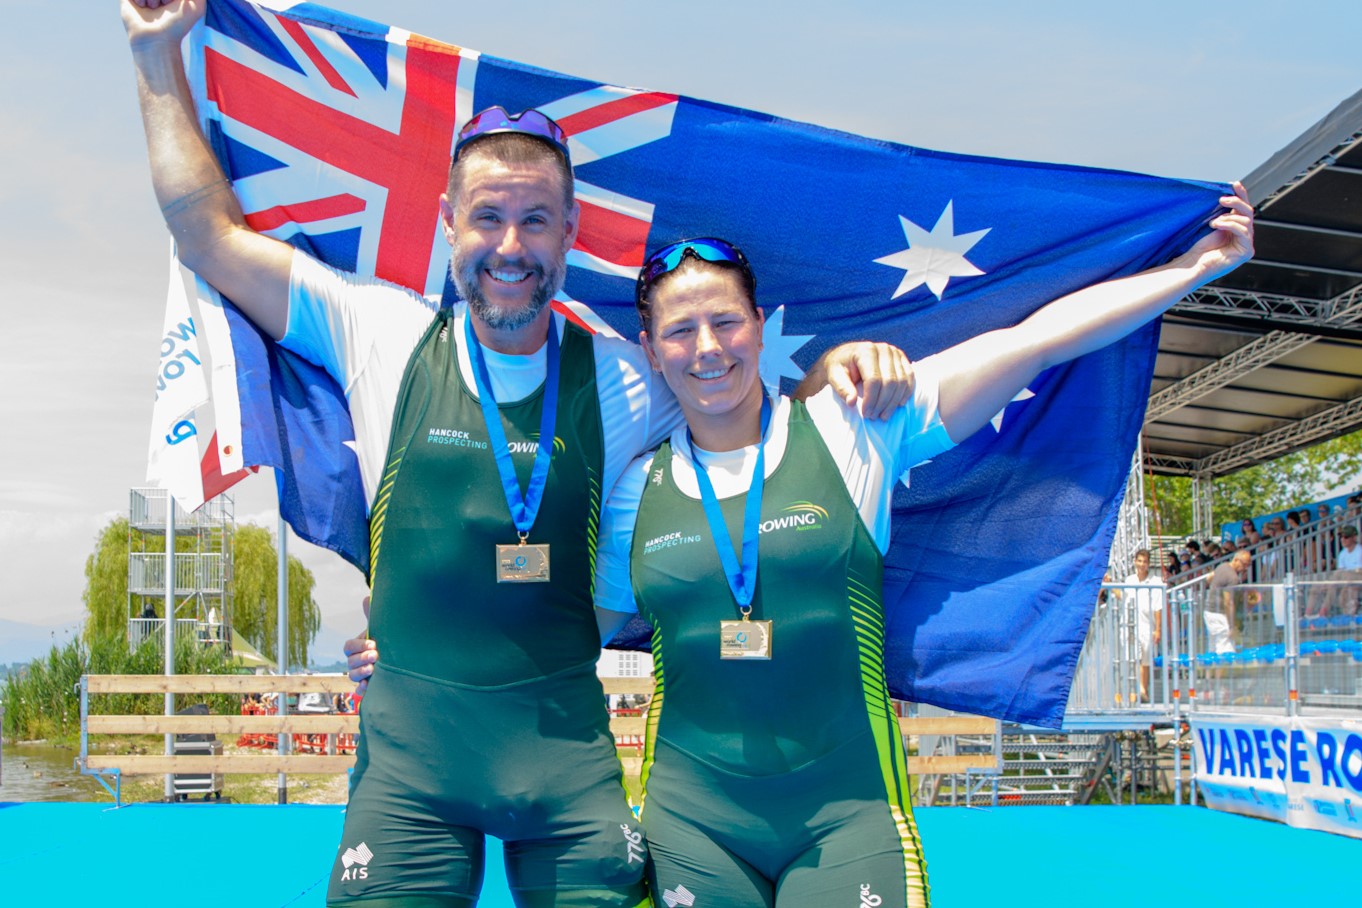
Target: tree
[106,583]
[253,609]
[1169,501]
[1291,481]
[255,596]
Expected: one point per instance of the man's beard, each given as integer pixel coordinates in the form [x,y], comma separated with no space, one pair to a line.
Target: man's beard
[465,274]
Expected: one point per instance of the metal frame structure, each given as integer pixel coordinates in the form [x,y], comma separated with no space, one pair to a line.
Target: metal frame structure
[1268,359]
[202,577]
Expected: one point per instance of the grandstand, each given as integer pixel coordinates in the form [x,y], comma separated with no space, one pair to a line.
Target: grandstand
[1258,364]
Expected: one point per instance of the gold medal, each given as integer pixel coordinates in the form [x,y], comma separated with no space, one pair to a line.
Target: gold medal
[745,639]
[523,563]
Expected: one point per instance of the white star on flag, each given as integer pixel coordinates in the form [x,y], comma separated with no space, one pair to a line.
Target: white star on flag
[997,420]
[934,257]
[777,355]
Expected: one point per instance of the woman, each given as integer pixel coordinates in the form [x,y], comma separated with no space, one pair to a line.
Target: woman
[1171,566]
[774,765]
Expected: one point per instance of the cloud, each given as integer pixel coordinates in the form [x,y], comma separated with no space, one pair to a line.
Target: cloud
[40,527]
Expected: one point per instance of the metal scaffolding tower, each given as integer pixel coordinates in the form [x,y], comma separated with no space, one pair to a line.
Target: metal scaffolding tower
[202,590]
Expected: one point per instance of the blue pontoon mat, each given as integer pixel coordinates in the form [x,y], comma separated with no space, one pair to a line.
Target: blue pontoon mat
[226,854]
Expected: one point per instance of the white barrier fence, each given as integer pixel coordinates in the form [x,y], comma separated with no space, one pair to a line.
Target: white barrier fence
[1303,772]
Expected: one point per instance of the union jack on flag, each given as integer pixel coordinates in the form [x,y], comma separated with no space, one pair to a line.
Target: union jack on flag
[336,133]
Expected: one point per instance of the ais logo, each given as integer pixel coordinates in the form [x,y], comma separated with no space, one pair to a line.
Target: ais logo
[356,861]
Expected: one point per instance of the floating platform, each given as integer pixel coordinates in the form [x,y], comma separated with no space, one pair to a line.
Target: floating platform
[236,855]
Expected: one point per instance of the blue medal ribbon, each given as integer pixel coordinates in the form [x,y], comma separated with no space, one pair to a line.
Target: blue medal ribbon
[742,577]
[523,508]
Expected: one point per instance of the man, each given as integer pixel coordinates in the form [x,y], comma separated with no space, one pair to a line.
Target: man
[1222,626]
[486,717]
[1149,606]
[1271,563]
[1349,568]
[1349,553]
[1195,555]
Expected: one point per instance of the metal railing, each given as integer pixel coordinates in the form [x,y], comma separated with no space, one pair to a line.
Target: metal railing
[1293,647]
[147,512]
[142,629]
[195,572]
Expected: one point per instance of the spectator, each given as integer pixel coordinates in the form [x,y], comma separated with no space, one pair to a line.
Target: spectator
[1222,619]
[1271,565]
[1171,566]
[1349,568]
[1349,553]
[1149,602]
[1338,596]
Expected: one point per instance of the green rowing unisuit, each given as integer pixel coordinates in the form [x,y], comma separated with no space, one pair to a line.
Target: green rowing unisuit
[781,766]
[485,715]
[440,512]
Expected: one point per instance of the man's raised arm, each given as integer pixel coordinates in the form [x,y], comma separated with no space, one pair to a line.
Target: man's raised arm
[210,231]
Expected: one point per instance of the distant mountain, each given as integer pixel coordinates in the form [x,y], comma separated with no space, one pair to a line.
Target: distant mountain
[20,642]
[325,652]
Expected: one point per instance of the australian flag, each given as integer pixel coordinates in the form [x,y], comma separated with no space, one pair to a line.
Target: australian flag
[336,133]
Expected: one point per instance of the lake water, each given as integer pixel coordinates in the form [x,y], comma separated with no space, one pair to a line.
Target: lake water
[36,772]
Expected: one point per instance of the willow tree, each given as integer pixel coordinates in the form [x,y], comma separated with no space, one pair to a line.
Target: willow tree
[106,583]
[255,596]
[253,612]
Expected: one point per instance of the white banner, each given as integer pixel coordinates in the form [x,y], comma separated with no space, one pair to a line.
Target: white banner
[195,444]
[1304,772]
[173,456]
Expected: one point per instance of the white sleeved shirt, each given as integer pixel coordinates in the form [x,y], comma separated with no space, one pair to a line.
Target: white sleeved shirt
[364,330]
[871,455]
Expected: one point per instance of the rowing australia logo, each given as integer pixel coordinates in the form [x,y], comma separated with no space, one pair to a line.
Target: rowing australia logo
[800,515]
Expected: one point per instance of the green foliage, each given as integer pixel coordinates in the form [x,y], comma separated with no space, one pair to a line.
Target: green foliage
[106,582]
[1169,500]
[252,610]
[255,609]
[1291,481]
[42,701]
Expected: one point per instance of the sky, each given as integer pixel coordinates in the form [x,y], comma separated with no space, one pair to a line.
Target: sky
[1196,90]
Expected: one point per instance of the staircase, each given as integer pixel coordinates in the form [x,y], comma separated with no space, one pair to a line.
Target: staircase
[1054,768]
[1041,768]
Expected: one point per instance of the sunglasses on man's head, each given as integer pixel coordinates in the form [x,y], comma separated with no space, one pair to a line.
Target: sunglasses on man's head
[669,258]
[495,120]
